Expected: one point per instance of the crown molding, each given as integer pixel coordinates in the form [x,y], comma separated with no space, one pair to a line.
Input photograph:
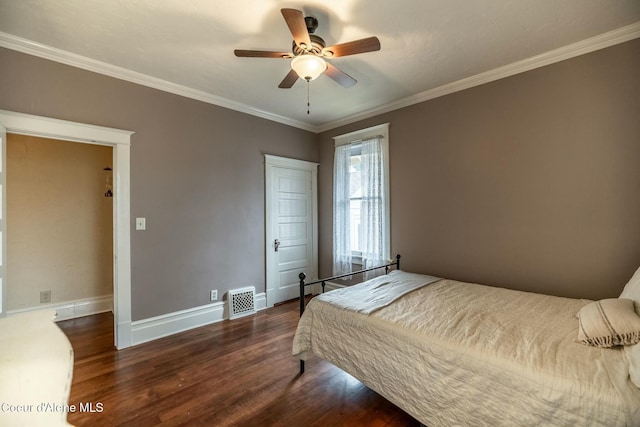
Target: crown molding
[30,47]
[611,38]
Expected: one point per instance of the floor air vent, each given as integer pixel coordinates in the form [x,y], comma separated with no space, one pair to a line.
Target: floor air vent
[241,302]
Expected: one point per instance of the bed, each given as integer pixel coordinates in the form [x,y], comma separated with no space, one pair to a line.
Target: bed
[454,353]
[36,370]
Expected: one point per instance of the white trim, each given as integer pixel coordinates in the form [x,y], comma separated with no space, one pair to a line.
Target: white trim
[150,329]
[3,214]
[592,44]
[40,50]
[27,124]
[73,309]
[261,301]
[284,162]
[120,140]
[172,323]
[601,41]
[348,138]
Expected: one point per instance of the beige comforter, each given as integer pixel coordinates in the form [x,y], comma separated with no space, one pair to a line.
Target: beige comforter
[454,353]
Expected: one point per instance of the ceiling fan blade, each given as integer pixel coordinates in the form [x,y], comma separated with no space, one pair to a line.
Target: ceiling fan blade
[344,79]
[295,21]
[289,80]
[369,44]
[261,54]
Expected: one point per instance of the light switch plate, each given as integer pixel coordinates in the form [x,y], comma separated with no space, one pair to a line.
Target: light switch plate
[141,223]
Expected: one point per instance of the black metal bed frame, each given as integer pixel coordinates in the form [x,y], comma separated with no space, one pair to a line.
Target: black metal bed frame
[303,276]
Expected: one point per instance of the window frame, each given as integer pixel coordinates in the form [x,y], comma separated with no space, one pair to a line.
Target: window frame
[356,150]
[381,130]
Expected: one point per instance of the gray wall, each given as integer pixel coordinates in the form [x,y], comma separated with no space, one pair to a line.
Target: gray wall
[531,182]
[197,175]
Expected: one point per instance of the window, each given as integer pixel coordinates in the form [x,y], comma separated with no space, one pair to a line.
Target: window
[361,199]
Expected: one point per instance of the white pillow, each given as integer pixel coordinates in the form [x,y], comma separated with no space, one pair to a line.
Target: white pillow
[609,322]
[632,290]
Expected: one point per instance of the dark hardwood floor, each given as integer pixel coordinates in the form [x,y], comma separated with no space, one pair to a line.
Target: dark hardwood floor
[232,373]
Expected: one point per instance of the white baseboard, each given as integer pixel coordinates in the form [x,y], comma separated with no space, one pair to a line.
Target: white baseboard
[179,321]
[146,329]
[260,301]
[123,335]
[150,329]
[73,309]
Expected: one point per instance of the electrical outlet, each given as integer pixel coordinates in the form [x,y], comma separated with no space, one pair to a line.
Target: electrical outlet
[141,223]
[214,294]
[45,296]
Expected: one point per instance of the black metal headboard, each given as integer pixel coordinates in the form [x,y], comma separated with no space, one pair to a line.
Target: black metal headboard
[303,276]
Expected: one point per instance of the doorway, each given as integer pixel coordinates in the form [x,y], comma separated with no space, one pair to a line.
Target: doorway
[60,227]
[120,140]
[291,194]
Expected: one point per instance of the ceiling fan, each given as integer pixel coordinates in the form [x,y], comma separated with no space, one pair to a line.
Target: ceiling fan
[309,52]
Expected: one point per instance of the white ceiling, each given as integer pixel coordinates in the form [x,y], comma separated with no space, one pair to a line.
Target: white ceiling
[429,47]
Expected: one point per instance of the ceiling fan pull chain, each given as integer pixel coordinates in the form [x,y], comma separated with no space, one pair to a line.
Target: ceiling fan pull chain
[308,99]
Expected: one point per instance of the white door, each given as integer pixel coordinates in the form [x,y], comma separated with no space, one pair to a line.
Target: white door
[291,221]
[3,213]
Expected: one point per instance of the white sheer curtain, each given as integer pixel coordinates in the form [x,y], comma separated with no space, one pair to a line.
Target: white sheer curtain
[341,223]
[373,234]
[373,212]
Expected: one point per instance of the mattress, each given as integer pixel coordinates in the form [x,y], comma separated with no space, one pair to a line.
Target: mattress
[454,353]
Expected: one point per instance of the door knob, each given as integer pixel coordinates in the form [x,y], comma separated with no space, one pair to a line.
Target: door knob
[276,244]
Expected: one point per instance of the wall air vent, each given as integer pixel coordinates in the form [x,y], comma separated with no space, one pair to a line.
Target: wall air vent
[242,302]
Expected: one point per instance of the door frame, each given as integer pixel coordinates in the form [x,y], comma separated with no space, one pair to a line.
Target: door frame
[3,215]
[120,140]
[272,162]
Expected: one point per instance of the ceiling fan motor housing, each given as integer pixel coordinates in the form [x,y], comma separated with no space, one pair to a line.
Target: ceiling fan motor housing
[317,45]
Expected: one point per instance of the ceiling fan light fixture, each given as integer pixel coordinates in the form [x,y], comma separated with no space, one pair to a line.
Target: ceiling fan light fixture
[308,67]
